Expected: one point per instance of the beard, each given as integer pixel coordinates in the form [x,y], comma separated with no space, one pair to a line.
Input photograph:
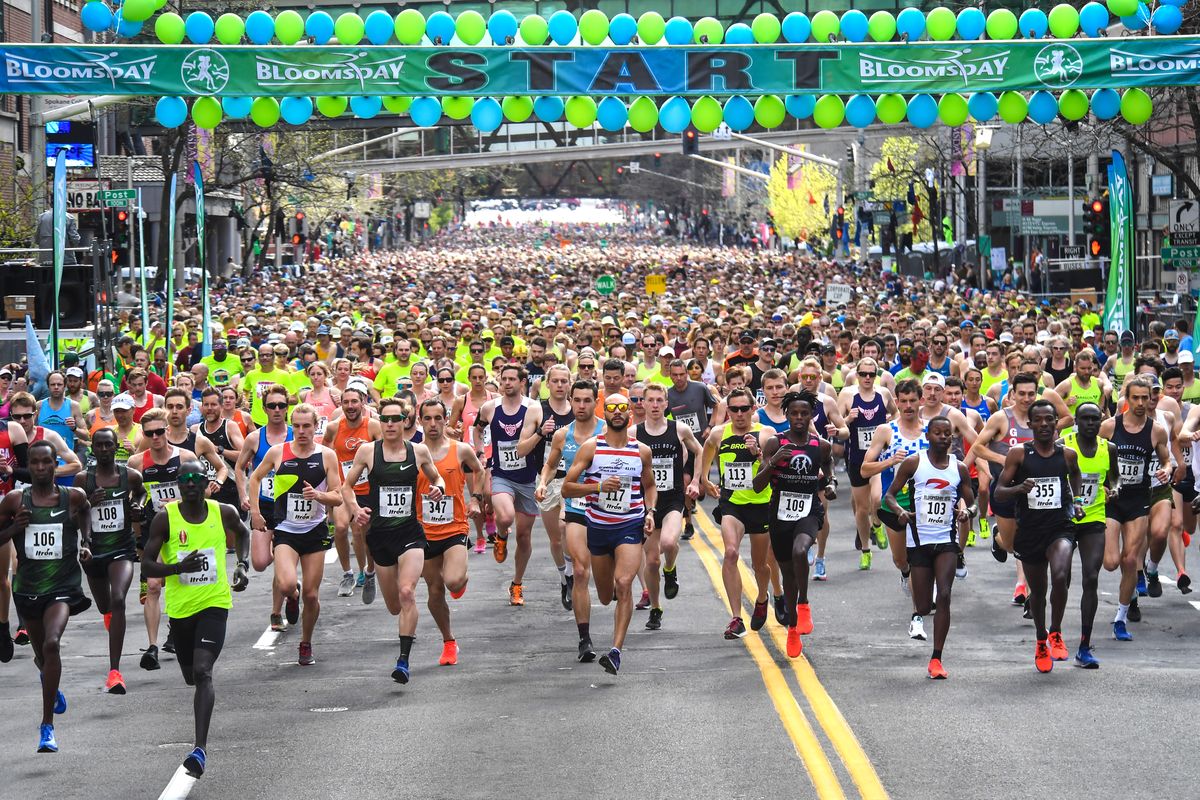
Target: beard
[618,426]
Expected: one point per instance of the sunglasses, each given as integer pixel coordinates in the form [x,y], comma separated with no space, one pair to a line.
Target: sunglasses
[476,351]
[104,394]
[740,409]
[193,477]
[247,359]
[275,406]
[863,374]
[445,380]
[155,432]
[393,417]
[616,407]
[21,416]
[587,366]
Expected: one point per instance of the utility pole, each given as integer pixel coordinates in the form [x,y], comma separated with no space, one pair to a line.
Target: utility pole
[37,126]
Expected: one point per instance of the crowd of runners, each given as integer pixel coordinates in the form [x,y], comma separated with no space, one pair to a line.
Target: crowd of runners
[414,409]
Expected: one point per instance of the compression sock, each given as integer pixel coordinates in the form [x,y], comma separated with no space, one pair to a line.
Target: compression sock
[584,629]
[569,566]
[562,575]
[406,643]
[1122,613]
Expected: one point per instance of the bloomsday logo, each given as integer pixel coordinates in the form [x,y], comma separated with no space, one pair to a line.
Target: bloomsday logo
[952,63]
[107,67]
[359,68]
[204,71]
[1058,66]
[1125,63]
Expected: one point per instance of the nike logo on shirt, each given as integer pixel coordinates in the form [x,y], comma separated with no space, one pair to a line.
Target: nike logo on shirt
[117,494]
[56,513]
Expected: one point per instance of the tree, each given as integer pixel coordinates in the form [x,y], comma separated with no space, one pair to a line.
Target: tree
[899,169]
[799,201]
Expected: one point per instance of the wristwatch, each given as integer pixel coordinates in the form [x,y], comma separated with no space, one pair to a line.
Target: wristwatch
[244,564]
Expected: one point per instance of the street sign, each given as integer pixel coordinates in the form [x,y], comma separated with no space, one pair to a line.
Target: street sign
[1183,282]
[634,167]
[837,294]
[723,133]
[117,198]
[656,284]
[83,196]
[1184,222]
[421,209]
[1071,252]
[1181,255]
[1162,185]
[606,284]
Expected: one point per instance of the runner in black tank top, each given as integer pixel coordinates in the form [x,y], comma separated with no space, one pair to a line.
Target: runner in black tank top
[220,440]
[557,381]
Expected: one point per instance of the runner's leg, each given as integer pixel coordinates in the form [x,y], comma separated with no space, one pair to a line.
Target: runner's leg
[45,635]
[625,562]
[732,531]
[120,576]
[1091,558]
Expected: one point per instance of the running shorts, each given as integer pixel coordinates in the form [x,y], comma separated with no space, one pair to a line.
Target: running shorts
[436,548]
[605,541]
[926,555]
[553,495]
[388,545]
[204,630]
[522,494]
[1128,505]
[315,540]
[755,517]
[783,534]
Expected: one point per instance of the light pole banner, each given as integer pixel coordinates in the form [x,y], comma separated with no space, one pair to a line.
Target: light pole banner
[1119,299]
[206,312]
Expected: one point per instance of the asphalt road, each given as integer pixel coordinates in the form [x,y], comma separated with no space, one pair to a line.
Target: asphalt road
[690,713]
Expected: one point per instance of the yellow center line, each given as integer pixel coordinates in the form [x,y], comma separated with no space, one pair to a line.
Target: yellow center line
[861,770]
[804,738]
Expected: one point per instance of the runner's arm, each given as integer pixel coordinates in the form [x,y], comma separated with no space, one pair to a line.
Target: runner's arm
[552,458]
[236,440]
[871,465]
[531,431]
[964,488]
[239,467]
[81,511]
[649,489]
[72,463]
[980,449]
[237,535]
[767,460]
[333,477]
[583,458]
[904,472]
[426,465]
[1012,462]
[362,456]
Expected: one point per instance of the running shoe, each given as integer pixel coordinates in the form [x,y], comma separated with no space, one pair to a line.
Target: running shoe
[194,763]
[1142,589]
[1121,632]
[794,645]
[115,683]
[936,671]
[1027,611]
[831,489]
[671,583]
[812,555]
[1153,584]
[758,618]
[346,586]
[1041,657]
[277,623]
[400,673]
[998,552]
[960,568]
[449,656]
[916,628]
[735,629]
[1183,582]
[368,589]
[881,539]
[500,549]
[985,528]
[644,601]
[688,531]
[168,645]
[306,655]
[1084,658]
[46,740]
[458,595]
[489,527]
[905,588]
[804,622]
[22,637]
[143,590]
[1058,648]
[480,545]
[150,658]
[107,621]
[516,594]
[1135,611]
[1019,594]
[6,645]
[780,609]
[291,607]
[971,537]
[655,620]
[586,654]
[819,570]
[611,661]
[360,579]
[565,591]
[1187,539]
[864,560]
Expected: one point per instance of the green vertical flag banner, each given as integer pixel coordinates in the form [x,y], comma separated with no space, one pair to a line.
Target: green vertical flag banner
[206,311]
[59,218]
[170,270]
[1119,300]
[141,226]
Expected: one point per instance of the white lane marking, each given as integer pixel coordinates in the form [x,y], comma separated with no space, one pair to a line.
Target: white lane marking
[180,786]
[268,640]
[330,556]
[1167,581]
[1195,604]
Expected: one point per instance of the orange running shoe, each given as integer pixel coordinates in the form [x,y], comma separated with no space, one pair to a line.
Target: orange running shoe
[1187,539]
[449,653]
[1019,594]
[936,671]
[516,593]
[804,622]
[500,549]
[1041,657]
[115,683]
[107,620]
[1058,648]
[794,645]
[460,592]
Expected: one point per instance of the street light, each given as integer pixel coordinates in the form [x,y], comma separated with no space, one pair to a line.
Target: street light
[983,143]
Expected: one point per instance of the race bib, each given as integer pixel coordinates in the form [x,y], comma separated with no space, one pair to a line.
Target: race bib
[362,479]
[486,438]
[108,517]
[210,471]
[395,502]
[44,542]
[438,512]
[163,493]
[510,460]
[936,510]
[300,508]
[208,570]
[267,488]
[864,437]
[761,398]
[617,502]
[691,419]
[261,388]
[1046,494]
[321,423]
[1131,470]
[737,476]
[664,473]
[794,506]
[1089,487]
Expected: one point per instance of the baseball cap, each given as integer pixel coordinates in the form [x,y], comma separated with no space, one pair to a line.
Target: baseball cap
[666,351]
[628,339]
[322,330]
[746,336]
[123,401]
[934,378]
[74,372]
[1006,337]
[6,371]
[1185,357]
[1127,337]
[1089,334]
[1171,334]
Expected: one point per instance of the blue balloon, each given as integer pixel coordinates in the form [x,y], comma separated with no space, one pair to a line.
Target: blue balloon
[1179,3]
[971,24]
[612,114]
[854,26]
[982,106]
[739,33]
[549,109]
[675,115]
[1033,23]
[424,111]
[1093,18]
[562,27]
[922,110]
[486,114]
[1138,20]
[501,26]
[171,112]
[622,28]
[800,106]
[260,29]
[319,26]
[296,110]
[678,31]
[199,27]
[97,17]
[128,28]
[912,22]
[440,25]
[738,113]
[1043,108]
[378,27]
[1106,103]
[236,107]
[1166,19]
[368,106]
[796,27]
[860,111]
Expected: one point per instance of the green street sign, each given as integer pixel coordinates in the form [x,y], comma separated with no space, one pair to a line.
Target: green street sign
[606,284]
[117,198]
[1177,255]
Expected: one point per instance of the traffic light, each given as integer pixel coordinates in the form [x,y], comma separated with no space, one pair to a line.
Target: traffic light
[1099,237]
[120,239]
[658,160]
[620,171]
[1089,219]
[839,223]
[691,141]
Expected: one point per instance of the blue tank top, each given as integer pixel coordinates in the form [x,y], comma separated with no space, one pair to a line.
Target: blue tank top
[56,420]
[870,416]
[943,370]
[767,422]
[982,409]
[819,420]
[506,433]
[570,448]
[266,490]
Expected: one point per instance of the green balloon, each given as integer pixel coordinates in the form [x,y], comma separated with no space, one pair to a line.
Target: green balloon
[229,29]
[158,4]
[264,111]
[1064,21]
[829,111]
[581,111]
[1136,107]
[825,23]
[137,10]
[891,108]
[410,26]
[206,113]
[1002,24]
[952,110]
[517,109]
[457,107]
[766,28]
[169,28]
[1123,8]
[289,27]
[348,29]
[533,30]
[881,27]
[1014,108]
[332,106]
[593,26]
[706,114]
[650,27]
[397,104]
[941,23]
[710,28]
[769,111]
[1073,104]
[470,27]
[643,115]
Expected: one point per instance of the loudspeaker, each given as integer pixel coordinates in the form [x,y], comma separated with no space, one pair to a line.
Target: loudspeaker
[76,301]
